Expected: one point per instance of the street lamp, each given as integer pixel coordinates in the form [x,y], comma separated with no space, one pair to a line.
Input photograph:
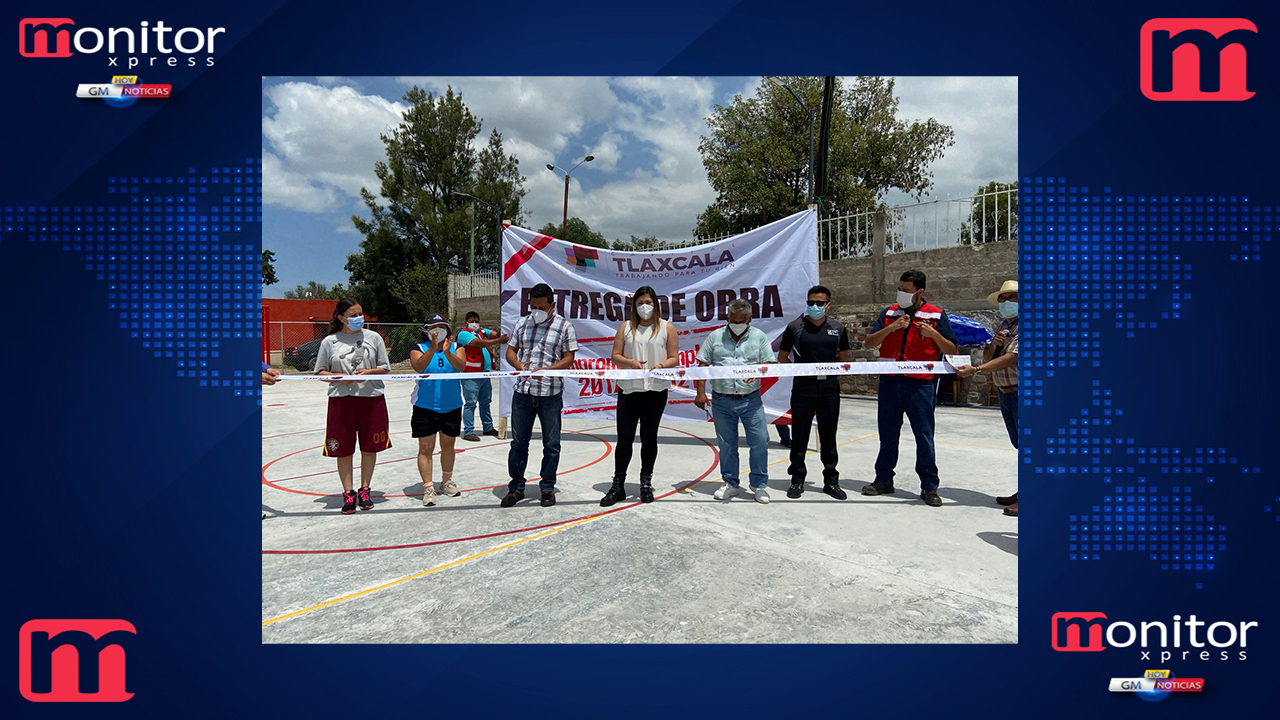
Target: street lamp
[472,213]
[564,224]
[812,117]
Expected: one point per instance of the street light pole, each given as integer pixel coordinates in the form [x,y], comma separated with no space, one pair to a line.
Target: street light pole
[564,222]
[471,210]
[810,114]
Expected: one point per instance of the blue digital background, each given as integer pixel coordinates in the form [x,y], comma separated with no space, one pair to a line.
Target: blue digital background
[133,486]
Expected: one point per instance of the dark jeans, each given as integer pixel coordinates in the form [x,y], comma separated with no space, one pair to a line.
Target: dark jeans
[822,401]
[1009,409]
[646,408]
[898,395]
[524,407]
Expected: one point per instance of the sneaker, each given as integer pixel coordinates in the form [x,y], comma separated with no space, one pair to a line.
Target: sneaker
[471,437]
[548,499]
[725,492]
[428,494]
[512,498]
[835,491]
[363,499]
[491,433]
[448,488]
[348,502]
[796,489]
[877,488]
[931,498]
[762,495]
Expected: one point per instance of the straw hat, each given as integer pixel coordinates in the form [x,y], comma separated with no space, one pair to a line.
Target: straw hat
[1008,286]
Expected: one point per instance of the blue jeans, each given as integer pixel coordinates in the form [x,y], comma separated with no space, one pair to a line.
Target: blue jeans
[1009,409]
[915,398]
[524,407]
[727,412]
[473,391]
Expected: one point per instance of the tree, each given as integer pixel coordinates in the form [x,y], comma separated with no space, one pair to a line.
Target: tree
[417,219]
[316,291]
[637,244]
[994,215]
[757,153]
[269,268]
[578,232]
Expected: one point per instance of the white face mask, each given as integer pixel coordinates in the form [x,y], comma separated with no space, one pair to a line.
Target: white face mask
[738,328]
[540,316]
[437,334]
[473,326]
[644,311]
[906,299]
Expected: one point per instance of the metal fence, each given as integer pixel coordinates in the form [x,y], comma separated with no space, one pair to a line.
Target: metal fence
[972,220]
[295,344]
[486,282]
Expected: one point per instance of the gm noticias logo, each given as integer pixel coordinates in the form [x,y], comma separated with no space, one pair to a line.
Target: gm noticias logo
[1197,59]
[74,660]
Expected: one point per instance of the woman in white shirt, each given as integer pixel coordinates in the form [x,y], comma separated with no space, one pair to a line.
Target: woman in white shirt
[357,408]
[646,341]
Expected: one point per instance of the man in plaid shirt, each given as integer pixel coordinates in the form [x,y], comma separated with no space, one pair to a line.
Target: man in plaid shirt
[542,340]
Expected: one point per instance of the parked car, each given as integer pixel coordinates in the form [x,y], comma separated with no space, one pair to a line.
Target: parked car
[302,357]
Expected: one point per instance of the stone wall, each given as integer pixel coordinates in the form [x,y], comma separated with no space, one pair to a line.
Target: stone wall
[959,280]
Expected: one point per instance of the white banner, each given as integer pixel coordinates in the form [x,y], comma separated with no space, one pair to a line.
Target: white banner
[771,267]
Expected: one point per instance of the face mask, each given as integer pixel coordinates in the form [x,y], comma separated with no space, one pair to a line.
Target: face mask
[437,335]
[906,299]
[815,311]
[355,323]
[473,326]
[540,316]
[738,328]
[645,311]
[1009,308]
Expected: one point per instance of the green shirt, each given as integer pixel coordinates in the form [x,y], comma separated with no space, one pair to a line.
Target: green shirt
[752,348]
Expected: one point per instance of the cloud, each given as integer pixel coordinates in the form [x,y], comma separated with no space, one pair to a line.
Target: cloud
[326,139]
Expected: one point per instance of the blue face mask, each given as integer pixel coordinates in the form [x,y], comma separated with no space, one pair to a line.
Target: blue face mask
[815,311]
[355,323]
[1009,308]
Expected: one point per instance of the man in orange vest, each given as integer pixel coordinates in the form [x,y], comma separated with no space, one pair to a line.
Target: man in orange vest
[477,341]
[910,330]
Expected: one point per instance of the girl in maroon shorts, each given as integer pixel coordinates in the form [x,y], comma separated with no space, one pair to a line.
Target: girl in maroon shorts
[356,407]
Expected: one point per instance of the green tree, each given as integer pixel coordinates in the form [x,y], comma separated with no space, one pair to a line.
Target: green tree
[269,268]
[578,232]
[994,215]
[757,152]
[638,243]
[417,217]
[316,291]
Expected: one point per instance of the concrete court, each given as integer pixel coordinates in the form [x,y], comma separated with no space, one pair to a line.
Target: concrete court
[686,568]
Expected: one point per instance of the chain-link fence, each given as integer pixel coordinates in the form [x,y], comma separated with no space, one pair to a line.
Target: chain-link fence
[294,345]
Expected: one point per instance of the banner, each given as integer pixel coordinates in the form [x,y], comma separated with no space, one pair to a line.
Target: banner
[771,267]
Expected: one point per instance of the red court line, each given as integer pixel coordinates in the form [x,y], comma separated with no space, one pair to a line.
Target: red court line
[715,463]
[269,483]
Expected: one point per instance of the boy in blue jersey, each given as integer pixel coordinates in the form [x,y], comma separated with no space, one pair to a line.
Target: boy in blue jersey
[437,405]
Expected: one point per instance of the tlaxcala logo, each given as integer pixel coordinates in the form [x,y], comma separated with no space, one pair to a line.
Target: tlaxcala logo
[1189,59]
[74,660]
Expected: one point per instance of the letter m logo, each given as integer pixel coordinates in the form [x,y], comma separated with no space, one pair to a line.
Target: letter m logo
[1078,632]
[74,660]
[1197,59]
[44,37]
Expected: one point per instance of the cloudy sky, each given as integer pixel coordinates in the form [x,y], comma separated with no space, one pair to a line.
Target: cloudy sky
[320,141]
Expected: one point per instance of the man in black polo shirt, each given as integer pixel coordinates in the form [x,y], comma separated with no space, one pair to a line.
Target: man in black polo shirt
[815,338]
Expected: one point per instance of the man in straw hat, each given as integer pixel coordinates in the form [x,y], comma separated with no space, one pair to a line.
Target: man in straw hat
[1000,362]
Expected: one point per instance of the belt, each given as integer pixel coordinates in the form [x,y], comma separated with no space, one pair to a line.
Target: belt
[1007,390]
[739,397]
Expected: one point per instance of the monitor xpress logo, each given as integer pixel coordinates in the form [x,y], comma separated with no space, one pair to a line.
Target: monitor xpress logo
[74,660]
[143,46]
[1084,632]
[1197,59]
